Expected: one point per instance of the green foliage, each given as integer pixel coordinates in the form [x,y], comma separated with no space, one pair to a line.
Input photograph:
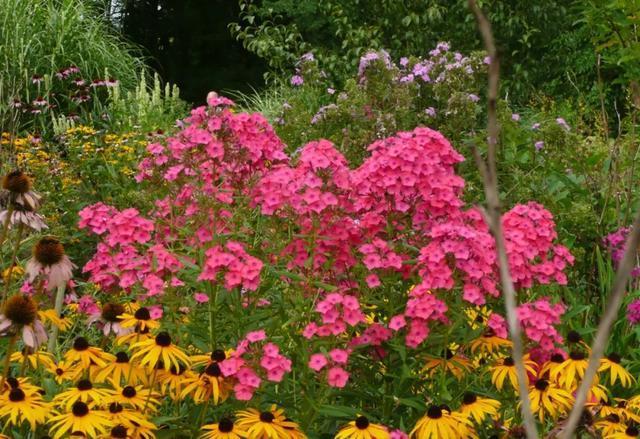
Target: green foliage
[42,37]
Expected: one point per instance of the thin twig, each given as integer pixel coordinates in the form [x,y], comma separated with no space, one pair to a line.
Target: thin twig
[490,179]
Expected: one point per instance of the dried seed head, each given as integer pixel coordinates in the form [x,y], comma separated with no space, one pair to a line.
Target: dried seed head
[21,309]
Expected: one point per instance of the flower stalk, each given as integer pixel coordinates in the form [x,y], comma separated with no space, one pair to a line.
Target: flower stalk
[58,309]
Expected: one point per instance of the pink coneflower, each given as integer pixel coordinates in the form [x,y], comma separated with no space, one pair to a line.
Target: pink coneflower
[62,74]
[73,69]
[19,186]
[16,103]
[22,215]
[39,102]
[36,79]
[50,261]
[110,319]
[97,83]
[20,313]
[111,82]
[78,82]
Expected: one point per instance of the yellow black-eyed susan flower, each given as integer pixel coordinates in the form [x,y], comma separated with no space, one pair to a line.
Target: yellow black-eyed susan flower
[33,358]
[223,429]
[80,418]
[623,408]
[209,385]
[362,428]
[609,425]
[172,381]
[22,383]
[478,408]
[118,415]
[489,343]
[118,432]
[84,392]
[140,319]
[570,371]
[135,397]
[546,397]
[440,423]
[616,372]
[456,364]
[85,354]
[160,348]
[216,356]
[51,315]
[505,368]
[121,371]
[269,423]
[18,406]
[137,335]
[630,432]
[64,371]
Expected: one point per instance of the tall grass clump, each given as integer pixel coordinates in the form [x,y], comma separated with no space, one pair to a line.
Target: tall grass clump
[39,41]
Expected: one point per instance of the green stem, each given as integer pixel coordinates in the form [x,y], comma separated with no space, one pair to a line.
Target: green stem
[58,308]
[12,262]
[7,360]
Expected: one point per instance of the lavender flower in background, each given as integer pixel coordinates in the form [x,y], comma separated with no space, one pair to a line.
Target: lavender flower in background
[515,117]
[307,57]
[368,58]
[473,98]
[297,80]
[539,145]
[331,90]
[322,112]
[431,112]
[535,126]
[560,121]
[404,61]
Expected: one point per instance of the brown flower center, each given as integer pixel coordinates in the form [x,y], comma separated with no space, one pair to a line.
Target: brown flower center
[48,251]
[80,409]
[362,422]
[225,425]
[111,311]
[17,182]
[21,309]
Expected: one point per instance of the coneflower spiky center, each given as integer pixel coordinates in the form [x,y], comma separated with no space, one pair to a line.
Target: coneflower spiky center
[48,251]
[111,311]
[21,309]
[17,182]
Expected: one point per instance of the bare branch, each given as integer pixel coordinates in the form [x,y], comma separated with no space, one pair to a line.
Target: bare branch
[604,328]
[490,179]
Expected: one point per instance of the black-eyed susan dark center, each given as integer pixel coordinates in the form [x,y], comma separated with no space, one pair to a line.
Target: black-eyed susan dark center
[218,355]
[17,182]
[632,431]
[13,382]
[21,309]
[114,408]
[577,355]
[48,251]
[267,417]
[508,361]
[557,358]
[163,339]
[614,358]
[213,370]
[469,398]
[362,422]
[142,314]
[122,357]
[434,412]
[119,431]
[542,385]
[225,425]
[129,392]
[85,385]
[16,395]
[80,409]
[80,344]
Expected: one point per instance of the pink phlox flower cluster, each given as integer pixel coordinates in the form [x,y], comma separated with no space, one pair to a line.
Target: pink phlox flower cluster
[529,234]
[498,324]
[411,172]
[374,335]
[379,255]
[250,357]
[422,308]
[538,319]
[464,248]
[337,312]
[239,268]
[96,218]
[633,312]
[334,362]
